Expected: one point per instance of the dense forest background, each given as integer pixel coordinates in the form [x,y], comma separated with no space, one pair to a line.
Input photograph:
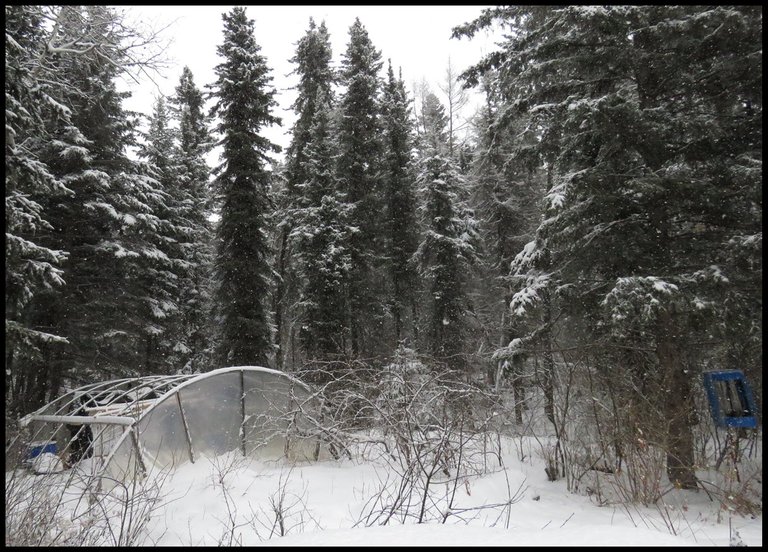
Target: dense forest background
[595,241]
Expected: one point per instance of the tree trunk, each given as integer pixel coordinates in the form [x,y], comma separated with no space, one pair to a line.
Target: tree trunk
[149,360]
[397,314]
[11,383]
[547,382]
[277,305]
[678,407]
[518,388]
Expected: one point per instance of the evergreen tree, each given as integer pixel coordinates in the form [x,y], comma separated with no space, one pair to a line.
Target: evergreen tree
[31,266]
[243,103]
[196,245]
[320,237]
[316,78]
[104,223]
[90,316]
[163,274]
[505,195]
[359,165]
[654,165]
[399,180]
[446,252]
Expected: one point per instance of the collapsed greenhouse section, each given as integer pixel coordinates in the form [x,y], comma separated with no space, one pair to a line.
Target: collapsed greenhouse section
[129,427]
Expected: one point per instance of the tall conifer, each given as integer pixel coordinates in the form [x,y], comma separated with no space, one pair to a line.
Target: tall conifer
[446,251]
[654,171]
[316,78]
[244,102]
[320,236]
[194,142]
[400,226]
[162,275]
[359,170]
[31,265]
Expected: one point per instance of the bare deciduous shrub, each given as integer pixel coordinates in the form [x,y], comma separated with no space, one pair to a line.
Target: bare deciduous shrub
[737,483]
[609,437]
[430,428]
[287,512]
[69,508]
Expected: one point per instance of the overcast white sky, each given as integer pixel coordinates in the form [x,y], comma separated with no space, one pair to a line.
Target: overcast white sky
[416,38]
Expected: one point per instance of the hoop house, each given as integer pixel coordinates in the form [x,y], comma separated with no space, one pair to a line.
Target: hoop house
[135,425]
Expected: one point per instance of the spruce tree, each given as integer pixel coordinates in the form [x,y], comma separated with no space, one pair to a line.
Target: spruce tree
[359,166]
[194,142]
[505,196]
[399,181]
[162,276]
[320,236]
[104,223]
[446,252]
[654,165]
[31,265]
[316,78]
[244,99]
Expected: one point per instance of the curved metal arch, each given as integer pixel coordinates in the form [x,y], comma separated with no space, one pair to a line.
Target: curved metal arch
[219,371]
[119,390]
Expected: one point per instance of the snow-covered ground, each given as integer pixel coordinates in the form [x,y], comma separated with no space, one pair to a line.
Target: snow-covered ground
[324,503]
[233,501]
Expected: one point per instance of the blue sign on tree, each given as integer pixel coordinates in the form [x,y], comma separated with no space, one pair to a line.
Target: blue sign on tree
[730,399]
